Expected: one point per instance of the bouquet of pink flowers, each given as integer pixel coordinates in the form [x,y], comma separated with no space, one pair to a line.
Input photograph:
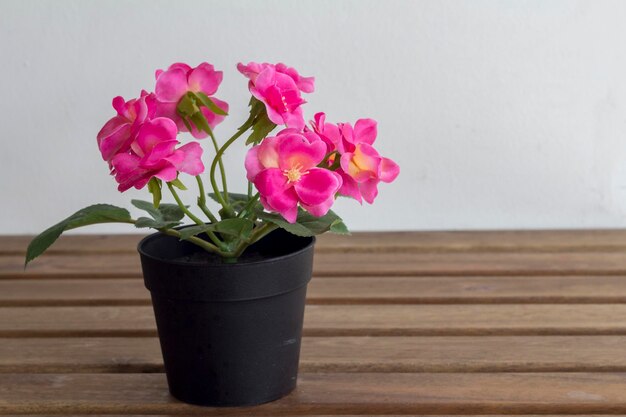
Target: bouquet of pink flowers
[294,176]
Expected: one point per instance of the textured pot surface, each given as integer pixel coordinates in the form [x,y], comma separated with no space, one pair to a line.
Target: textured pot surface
[230,333]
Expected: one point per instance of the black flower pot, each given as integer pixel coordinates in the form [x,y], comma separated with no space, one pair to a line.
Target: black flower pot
[230,333]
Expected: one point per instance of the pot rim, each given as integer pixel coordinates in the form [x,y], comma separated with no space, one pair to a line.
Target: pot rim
[273,259]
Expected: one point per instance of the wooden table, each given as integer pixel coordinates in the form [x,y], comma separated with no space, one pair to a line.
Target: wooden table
[396,323]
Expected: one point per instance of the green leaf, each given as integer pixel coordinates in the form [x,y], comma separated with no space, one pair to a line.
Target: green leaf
[232,227]
[307,224]
[97,213]
[154,187]
[187,106]
[201,123]
[165,216]
[260,129]
[178,184]
[210,104]
[339,227]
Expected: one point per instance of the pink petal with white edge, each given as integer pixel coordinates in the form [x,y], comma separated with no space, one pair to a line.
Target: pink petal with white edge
[388,170]
[205,79]
[365,131]
[192,161]
[171,85]
[295,150]
[369,190]
[317,186]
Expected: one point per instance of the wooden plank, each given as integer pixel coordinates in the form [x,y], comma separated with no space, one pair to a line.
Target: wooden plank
[338,393]
[343,290]
[350,264]
[338,354]
[343,320]
[422,241]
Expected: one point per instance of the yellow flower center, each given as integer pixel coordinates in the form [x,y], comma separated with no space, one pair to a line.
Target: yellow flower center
[294,174]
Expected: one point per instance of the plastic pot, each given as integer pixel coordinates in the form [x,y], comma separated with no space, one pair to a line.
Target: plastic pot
[230,333]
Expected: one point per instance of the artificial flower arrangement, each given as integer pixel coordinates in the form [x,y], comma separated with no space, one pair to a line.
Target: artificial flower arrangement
[246,312]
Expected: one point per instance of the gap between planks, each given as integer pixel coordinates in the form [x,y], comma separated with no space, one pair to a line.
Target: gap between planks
[347,265]
[342,320]
[422,241]
[343,290]
[337,393]
[338,354]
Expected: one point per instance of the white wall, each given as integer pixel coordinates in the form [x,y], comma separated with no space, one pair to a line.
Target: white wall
[502,114]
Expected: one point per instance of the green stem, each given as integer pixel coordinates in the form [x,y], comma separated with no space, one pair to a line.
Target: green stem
[218,157]
[209,247]
[249,190]
[202,201]
[222,170]
[249,205]
[257,235]
[193,217]
[182,206]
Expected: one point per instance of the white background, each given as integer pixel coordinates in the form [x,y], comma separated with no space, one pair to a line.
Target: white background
[501,114]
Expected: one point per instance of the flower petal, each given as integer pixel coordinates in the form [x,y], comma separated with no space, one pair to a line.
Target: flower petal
[321,209]
[277,194]
[388,170]
[192,159]
[114,137]
[369,190]
[153,132]
[317,186]
[349,187]
[295,151]
[212,118]
[365,131]
[171,85]
[205,79]
[252,164]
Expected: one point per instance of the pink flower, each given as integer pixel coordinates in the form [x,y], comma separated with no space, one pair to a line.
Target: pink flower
[118,133]
[173,83]
[278,87]
[154,154]
[361,166]
[284,170]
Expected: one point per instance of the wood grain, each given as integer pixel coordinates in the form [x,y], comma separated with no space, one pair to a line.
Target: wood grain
[338,354]
[337,393]
[343,290]
[343,320]
[349,264]
[376,242]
